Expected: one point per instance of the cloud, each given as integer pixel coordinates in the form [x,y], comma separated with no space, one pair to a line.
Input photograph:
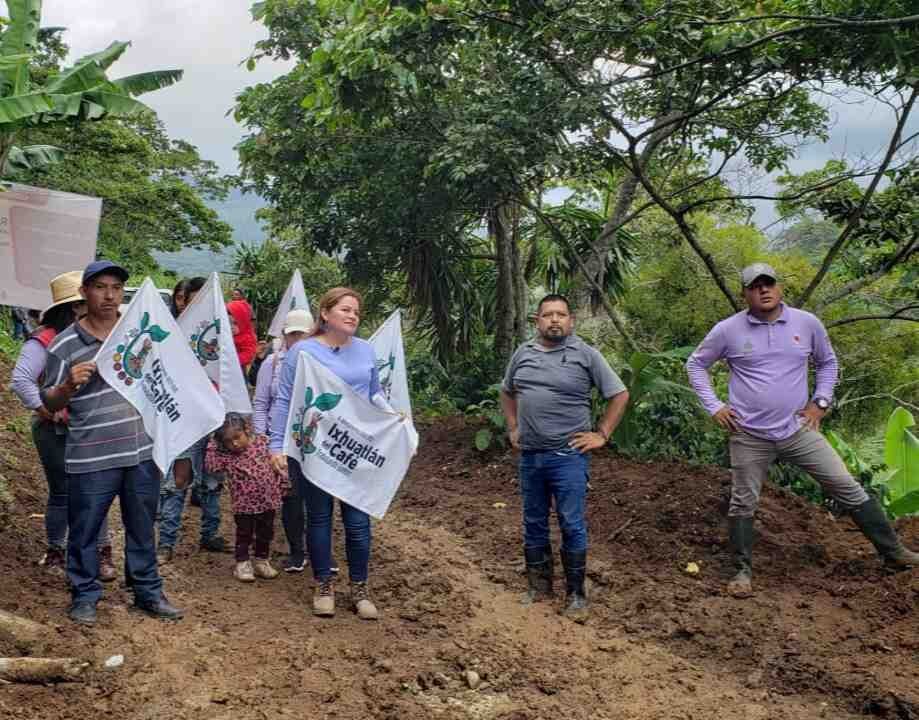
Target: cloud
[208,39]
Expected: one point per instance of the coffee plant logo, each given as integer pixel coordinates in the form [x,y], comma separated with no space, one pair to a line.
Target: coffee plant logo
[205,341]
[128,359]
[386,368]
[304,429]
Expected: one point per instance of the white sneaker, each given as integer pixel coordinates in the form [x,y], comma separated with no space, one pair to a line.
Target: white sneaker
[244,572]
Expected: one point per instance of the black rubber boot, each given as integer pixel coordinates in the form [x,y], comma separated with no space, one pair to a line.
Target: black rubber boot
[740,535]
[540,571]
[575,598]
[872,521]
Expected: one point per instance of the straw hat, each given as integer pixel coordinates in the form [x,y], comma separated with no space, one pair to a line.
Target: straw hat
[65,288]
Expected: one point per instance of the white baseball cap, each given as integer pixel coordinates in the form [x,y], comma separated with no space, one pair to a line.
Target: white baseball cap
[298,321]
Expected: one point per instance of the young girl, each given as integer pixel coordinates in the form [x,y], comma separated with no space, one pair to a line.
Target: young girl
[255,492]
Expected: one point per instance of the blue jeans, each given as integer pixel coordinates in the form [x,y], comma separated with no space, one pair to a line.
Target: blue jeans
[561,475]
[319,509]
[293,511]
[172,499]
[90,497]
[51,447]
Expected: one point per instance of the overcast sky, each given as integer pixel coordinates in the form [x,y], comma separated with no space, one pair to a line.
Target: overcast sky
[208,39]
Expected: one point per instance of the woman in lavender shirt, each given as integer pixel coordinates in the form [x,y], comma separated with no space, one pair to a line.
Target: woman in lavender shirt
[297,325]
[333,344]
[49,430]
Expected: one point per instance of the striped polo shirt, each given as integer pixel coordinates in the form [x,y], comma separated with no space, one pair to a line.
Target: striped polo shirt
[105,430]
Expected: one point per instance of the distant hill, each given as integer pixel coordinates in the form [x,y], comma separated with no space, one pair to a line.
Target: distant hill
[238,210]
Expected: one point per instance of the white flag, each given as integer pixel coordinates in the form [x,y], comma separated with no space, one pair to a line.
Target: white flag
[146,359]
[390,353]
[206,324]
[294,299]
[344,444]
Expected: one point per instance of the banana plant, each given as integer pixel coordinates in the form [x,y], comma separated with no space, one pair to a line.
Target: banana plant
[901,455]
[642,379]
[81,92]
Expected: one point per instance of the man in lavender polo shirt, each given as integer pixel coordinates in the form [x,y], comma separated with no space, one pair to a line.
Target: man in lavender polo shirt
[771,416]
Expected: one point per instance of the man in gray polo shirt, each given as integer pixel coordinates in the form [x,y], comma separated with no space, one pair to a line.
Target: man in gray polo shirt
[108,453]
[546,399]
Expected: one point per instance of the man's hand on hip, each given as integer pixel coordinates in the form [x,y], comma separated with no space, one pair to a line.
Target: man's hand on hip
[587,441]
[513,437]
[812,416]
[727,418]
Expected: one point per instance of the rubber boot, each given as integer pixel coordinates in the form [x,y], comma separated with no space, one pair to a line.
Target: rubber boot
[575,598]
[872,521]
[740,535]
[540,571]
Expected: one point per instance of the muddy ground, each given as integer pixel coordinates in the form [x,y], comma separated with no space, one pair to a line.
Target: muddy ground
[827,635]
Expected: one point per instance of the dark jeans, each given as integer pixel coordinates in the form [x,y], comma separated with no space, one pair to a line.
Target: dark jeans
[172,499]
[319,508]
[259,527]
[91,495]
[561,475]
[293,511]
[51,448]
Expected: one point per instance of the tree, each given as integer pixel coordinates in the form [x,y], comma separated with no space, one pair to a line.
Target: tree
[82,92]
[263,273]
[154,189]
[643,88]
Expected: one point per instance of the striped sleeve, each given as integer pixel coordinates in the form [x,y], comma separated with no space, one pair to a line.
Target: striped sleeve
[56,370]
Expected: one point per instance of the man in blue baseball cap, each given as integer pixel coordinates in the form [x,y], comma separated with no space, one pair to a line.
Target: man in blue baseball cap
[108,454]
[104,266]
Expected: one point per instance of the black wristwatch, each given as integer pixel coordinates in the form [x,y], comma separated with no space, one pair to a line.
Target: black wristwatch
[822,403]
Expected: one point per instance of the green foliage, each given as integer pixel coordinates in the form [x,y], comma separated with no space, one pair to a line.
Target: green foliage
[9,348]
[154,188]
[494,434]
[901,454]
[896,479]
[35,92]
[264,272]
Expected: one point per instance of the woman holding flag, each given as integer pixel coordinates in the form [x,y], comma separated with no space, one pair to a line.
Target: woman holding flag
[332,343]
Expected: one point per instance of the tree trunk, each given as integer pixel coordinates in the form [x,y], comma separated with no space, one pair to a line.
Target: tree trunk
[522,290]
[510,302]
[41,670]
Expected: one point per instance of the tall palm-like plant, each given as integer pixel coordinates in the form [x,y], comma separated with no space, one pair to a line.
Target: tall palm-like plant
[80,92]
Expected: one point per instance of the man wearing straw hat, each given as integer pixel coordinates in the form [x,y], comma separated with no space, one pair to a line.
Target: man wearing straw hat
[49,430]
[108,453]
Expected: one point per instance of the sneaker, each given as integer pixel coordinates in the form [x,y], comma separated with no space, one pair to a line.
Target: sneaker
[107,570]
[83,613]
[214,543]
[324,599]
[244,572]
[164,554]
[361,602]
[294,564]
[334,568]
[54,562]
[264,570]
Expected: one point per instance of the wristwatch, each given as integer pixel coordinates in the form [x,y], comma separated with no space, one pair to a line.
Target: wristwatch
[822,403]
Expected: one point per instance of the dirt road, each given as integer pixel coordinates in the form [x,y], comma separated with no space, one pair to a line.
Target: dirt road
[828,635]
